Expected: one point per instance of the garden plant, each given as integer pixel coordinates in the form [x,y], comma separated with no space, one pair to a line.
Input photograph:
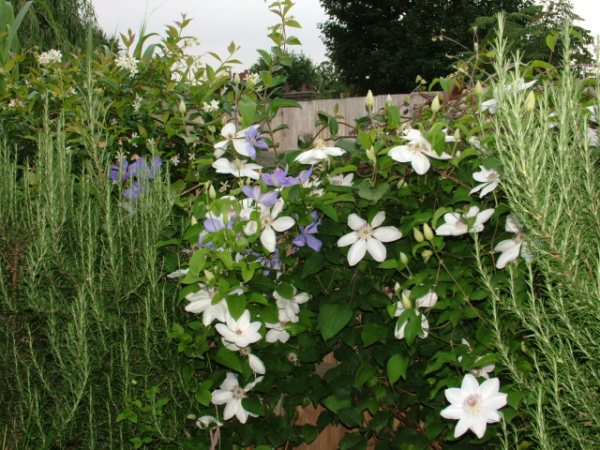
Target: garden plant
[171,278]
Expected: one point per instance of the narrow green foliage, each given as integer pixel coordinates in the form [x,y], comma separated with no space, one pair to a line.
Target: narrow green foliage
[551,182]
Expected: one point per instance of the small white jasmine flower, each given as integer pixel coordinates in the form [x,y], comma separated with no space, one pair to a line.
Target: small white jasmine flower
[341,179]
[238,168]
[231,395]
[368,238]
[210,107]
[474,405]
[137,103]
[489,179]
[15,103]
[270,223]
[240,332]
[417,152]
[129,63]
[320,152]
[253,78]
[174,160]
[510,249]
[457,223]
[49,57]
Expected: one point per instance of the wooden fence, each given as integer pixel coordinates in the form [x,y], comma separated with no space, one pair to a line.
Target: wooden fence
[301,121]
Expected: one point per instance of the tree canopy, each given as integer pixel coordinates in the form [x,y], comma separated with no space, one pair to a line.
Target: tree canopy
[384,44]
[61,24]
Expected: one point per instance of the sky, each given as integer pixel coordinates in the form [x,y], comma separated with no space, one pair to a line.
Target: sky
[218,22]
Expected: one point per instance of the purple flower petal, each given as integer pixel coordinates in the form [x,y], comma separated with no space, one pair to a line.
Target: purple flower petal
[313,242]
[213,224]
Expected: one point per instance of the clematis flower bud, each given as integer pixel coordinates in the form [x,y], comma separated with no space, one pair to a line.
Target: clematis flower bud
[530,101]
[388,101]
[478,89]
[426,254]
[457,135]
[208,275]
[212,194]
[435,104]
[397,287]
[427,232]
[404,258]
[182,108]
[193,221]
[406,301]
[418,235]
[370,100]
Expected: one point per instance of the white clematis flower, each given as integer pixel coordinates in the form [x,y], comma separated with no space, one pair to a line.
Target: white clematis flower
[206,422]
[239,332]
[289,308]
[510,249]
[238,168]
[489,179]
[457,223]
[277,332]
[270,223]
[341,179]
[231,395]
[428,300]
[417,152]
[368,238]
[474,405]
[321,152]
[201,302]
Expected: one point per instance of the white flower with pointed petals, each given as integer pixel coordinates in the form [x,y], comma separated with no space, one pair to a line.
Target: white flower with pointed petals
[238,168]
[321,152]
[474,405]
[458,224]
[270,223]
[489,179]
[206,422]
[289,308]
[231,395]
[239,332]
[341,179]
[428,300]
[277,332]
[510,249]
[201,302]
[368,238]
[417,152]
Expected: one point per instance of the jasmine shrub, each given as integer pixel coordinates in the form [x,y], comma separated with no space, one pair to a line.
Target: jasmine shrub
[547,147]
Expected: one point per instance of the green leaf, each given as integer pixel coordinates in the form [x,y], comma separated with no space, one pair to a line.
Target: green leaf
[335,404]
[353,441]
[197,262]
[236,305]
[364,373]
[332,318]
[203,397]
[372,333]
[393,117]
[247,111]
[313,264]
[396,367]
[228,359]
[374,194]
[351,417]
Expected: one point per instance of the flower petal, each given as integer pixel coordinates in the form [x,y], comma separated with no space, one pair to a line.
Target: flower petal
[378,219]
[355,222]
[357,252]
[387,234]
[401,154]
[376,249]
[420,163]
[283,223]
[347,239]
[268,239]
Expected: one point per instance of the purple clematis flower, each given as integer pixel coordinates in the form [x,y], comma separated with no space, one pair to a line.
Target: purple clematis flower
[119,172]
[251,142]
[306,235]
[280,178]
[268,199]
[133,192]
